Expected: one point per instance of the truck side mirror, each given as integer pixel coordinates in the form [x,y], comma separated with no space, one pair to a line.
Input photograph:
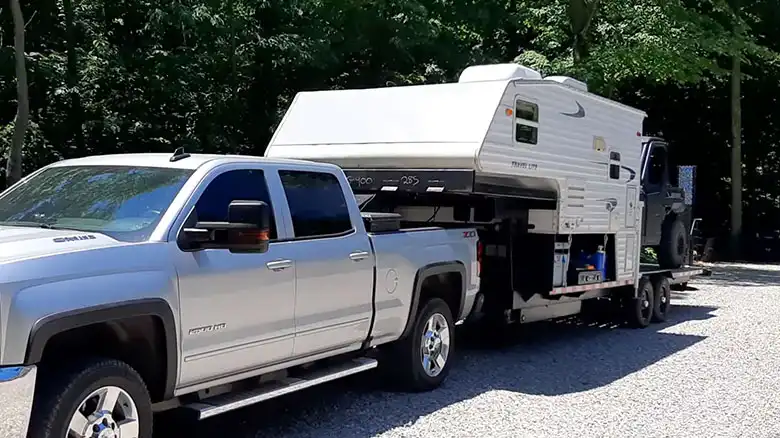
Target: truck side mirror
[246,231]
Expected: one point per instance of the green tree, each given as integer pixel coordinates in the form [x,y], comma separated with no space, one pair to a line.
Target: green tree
[211,76]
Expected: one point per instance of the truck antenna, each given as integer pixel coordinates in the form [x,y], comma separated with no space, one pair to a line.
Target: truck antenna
[178,154]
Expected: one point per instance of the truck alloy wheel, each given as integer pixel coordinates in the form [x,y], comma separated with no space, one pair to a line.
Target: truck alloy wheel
[98,398]
[435,345]
[108,412]
[422,360]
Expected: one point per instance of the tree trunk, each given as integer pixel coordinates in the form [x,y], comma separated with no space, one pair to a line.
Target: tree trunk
[76,116]
[13,172]
[234,108]
[581,13]
[736,143]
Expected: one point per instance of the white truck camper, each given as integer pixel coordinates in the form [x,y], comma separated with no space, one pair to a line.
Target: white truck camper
[549,174]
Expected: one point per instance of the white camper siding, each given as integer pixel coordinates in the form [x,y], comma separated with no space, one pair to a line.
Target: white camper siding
[625,242]
[421,126]
[564,155]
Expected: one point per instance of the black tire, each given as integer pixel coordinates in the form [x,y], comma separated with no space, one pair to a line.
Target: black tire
[403,361]
[662,299]
[61,391]
[673,250]
[639,310]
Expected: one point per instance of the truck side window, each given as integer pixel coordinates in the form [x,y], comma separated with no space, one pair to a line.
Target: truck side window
[655,171]
[526,122]
[244,184]
[317,204]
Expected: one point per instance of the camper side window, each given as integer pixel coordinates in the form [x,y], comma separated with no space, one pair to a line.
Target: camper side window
[526,122]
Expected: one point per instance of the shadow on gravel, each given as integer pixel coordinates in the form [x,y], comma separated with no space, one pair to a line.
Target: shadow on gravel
[742,275]
[548,358]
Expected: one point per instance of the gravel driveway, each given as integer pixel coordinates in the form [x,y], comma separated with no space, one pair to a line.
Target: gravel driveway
[712,370]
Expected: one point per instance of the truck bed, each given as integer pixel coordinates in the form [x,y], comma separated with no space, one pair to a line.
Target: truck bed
[399,257]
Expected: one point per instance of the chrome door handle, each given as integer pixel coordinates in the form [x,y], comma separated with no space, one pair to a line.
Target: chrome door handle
[358,256]
[278,265]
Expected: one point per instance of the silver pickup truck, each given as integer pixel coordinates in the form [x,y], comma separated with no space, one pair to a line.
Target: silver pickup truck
[136,283]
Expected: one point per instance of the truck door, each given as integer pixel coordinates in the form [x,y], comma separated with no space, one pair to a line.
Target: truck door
[334,268]
[655,180]
[237,310]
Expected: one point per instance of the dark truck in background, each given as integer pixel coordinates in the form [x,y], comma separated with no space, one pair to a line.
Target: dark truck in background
[668,223]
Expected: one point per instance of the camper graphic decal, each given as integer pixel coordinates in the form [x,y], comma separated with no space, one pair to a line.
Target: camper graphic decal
[631,172]
[579,114]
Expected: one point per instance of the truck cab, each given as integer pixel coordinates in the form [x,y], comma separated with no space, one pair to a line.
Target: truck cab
[143,282]
[667,214]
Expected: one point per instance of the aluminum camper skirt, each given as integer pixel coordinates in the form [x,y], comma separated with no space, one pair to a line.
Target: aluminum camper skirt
[453,181]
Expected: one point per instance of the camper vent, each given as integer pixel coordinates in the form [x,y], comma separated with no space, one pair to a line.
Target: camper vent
[571,82]
[497,72]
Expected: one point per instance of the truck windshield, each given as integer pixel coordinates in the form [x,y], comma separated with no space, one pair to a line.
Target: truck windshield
[123,202]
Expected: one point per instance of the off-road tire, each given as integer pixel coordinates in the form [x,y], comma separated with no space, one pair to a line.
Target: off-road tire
[674,247]
[60,390]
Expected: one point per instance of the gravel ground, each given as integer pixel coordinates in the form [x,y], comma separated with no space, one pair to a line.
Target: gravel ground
[713,370]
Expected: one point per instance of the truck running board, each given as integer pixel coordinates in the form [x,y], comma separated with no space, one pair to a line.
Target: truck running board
[224,403]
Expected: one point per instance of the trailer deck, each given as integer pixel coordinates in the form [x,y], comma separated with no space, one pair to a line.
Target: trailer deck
[680,275]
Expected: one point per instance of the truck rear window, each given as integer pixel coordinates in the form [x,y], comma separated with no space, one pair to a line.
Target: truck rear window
[317,204]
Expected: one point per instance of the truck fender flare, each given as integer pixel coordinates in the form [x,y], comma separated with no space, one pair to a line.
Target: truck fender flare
[419,279]
[49,326]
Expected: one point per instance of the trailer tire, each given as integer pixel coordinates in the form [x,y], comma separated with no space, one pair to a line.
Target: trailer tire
[662,299]
[432,335]
[639,310]
[63,391]
[673,250]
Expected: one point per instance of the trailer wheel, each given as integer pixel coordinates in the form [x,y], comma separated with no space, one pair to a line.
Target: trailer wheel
[662,299]
[673,250]
[422,360]
[639,310]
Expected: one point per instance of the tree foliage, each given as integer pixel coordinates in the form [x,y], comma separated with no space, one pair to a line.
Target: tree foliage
[216,76]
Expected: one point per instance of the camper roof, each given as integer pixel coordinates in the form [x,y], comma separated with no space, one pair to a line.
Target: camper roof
[457,113]
[497,72]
